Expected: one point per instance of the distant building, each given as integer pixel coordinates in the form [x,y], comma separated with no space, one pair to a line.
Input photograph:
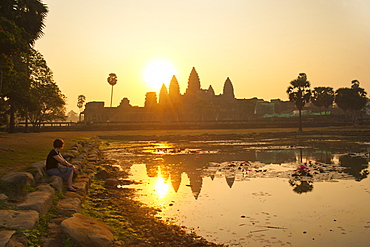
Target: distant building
[196,104]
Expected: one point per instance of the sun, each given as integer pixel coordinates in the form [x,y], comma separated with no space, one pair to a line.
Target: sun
[157,73]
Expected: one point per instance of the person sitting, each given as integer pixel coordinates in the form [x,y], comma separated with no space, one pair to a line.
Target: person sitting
[52,165]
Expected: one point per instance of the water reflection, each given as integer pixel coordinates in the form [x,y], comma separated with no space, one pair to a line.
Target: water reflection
[161,187]
[168,161]
[244,195]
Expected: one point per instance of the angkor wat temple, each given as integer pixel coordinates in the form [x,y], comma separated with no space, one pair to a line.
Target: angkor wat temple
[196,104]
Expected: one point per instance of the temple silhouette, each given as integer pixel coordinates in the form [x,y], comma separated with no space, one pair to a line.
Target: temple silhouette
[196,104]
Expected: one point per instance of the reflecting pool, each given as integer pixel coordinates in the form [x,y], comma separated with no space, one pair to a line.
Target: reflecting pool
[247,193]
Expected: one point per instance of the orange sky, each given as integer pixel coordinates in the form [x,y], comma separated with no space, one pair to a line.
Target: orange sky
[261,45]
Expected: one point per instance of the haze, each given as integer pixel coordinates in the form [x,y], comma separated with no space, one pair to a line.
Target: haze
[261,45]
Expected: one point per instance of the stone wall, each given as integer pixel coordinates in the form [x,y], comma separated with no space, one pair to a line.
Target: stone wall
[25,214]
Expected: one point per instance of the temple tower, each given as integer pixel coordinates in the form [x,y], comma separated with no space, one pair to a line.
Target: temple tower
[228,92]
[193,82]
[174,89]
[163,96]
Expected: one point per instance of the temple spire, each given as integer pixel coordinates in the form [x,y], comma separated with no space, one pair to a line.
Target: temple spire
[193,82]
[228,91]
[163,95]
[174,88]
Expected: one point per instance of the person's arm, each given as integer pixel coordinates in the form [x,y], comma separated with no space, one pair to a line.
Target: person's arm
[62,161]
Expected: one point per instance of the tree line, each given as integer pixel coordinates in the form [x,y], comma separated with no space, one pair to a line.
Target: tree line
[351,100]
[27,88]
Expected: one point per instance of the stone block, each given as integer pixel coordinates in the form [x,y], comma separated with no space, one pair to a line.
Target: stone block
[40,166]
[87,231]
[5,237]
[23,178]
[69,206]
[46,188]
[39,201]
[12,219]
[57,183]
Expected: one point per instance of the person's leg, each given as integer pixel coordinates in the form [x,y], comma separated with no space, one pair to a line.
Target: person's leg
[69,181]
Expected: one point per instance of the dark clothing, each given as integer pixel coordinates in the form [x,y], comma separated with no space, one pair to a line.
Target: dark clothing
[50,161]
[52,167]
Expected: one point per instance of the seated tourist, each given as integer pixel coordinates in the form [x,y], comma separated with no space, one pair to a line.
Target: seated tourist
[52,165]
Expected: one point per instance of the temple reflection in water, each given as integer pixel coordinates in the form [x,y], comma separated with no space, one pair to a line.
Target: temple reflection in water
[170,164]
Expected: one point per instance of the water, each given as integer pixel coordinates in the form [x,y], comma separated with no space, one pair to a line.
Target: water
[248,193]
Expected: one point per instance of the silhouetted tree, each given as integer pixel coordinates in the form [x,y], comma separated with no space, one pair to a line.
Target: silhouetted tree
[80,103]
[28,16]
[299,92]
[322,97]
[351,100]
[46,101]
[13,41]
[112,80]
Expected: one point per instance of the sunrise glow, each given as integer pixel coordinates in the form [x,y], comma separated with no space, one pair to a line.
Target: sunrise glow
[157,73]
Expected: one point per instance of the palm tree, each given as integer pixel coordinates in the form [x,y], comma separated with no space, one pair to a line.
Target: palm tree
[26,14]
[299,92]
[112,80]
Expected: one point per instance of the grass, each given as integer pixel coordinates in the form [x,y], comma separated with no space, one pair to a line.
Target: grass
[19,150]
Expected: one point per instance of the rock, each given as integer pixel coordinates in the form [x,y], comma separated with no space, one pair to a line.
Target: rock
[85,180]
[5,237]
[19,219]
[87,231]
[56,183]
[103,175]
[46,188]
[17,240]
[40,166]
[39,201]
[23,178]
[69,206]
[3,197]
[111,183]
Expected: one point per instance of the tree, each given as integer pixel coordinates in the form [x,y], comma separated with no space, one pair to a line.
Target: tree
[112,80]
[299,92]
[351,100]
[16,91]
[80,103]
[47,103]
[322,97]
[12,41]
[28,16]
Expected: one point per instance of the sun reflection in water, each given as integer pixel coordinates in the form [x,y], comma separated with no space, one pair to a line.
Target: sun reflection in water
[161,187]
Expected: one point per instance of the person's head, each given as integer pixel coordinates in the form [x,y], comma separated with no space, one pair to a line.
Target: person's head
[58,143]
